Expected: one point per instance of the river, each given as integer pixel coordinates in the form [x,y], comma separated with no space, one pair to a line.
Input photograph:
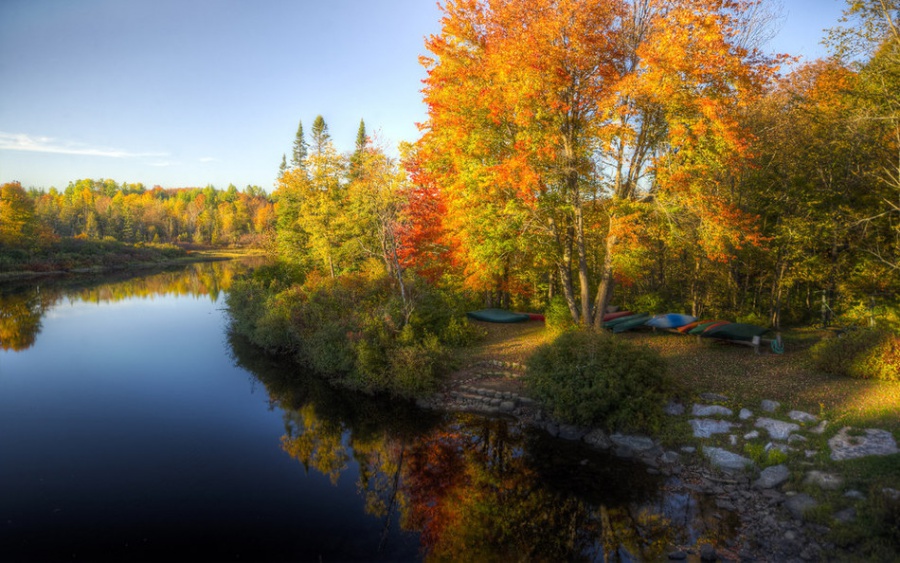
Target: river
[135,427]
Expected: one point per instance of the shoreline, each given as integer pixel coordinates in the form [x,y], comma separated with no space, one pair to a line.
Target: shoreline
[772,524]
[192,257]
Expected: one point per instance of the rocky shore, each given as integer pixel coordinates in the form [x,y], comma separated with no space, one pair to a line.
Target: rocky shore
[773,516]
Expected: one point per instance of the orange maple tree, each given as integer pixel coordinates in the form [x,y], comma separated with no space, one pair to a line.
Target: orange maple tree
[544,115]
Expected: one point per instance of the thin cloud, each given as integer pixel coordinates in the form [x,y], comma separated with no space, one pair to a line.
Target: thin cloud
[209,159]
[29,143]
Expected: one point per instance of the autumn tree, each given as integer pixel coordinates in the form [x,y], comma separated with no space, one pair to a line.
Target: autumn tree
[17,220]
[548,124]
[310,202]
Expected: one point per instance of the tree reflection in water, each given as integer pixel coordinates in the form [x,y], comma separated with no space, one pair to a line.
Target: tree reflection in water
[24,303]
[477,488]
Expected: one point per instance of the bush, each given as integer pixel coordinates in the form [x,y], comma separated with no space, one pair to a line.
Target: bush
[353,330]
[595,379]
[557,316]
[863,354]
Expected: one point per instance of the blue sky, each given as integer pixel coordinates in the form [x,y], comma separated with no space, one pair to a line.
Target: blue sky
[196,92]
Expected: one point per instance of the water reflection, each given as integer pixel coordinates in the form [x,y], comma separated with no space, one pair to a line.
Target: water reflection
[477,488]
[24,303]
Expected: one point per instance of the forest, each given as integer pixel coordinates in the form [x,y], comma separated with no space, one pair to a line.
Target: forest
[644,153]
[105,209]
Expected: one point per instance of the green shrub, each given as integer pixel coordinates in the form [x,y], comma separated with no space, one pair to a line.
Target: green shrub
[595,379]
[557,316]
[863,354]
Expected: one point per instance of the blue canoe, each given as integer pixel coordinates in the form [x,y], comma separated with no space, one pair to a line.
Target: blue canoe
[497,316]
[670,320]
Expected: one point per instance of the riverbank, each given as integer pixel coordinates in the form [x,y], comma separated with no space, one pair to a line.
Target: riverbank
[98,257]
[763,437]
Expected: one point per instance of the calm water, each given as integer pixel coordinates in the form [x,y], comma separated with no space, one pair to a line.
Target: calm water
[133,426]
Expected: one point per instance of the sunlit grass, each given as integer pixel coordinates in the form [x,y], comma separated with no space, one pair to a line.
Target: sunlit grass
[746,378]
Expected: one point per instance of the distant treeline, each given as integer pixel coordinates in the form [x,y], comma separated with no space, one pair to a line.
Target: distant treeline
[106,209]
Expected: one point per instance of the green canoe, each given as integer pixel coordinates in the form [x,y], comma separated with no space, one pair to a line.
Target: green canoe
[618,321]
[736,331]
[700,328]
[634,321]
[497,316]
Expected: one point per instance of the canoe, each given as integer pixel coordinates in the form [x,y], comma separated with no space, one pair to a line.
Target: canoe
[620,320]
[533,316]
[735,331]
[497,316]
[702,327]
[616,315]
[670,320]
[690,326]
[634,321]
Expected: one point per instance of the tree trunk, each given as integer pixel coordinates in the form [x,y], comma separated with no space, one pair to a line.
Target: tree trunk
[583,277]
[605,290]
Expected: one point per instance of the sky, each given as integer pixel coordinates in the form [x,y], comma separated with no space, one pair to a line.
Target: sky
[185,93]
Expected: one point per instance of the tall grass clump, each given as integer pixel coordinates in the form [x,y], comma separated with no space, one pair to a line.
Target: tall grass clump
[591,378]
[862,353]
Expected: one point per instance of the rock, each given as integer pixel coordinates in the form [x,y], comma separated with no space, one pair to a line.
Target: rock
[673,408]
[598,439]
[790,535]
[677,556]
[783,448]
[800,503]
[669,457]
[732,439]
[507,406]
[751,435]
[725,505]
[890,493]
[569,432]
[827,481]
[796,438]
[713,397]
[710,410]
[770,406]
[704,428]
[845,516]
[551,429]
[745,414]
[771,477]
[875,442]
[708,553]
[801,416]
[855,495]
[634,443]
[688,449]
[778,430]
[726,460]
[819,428]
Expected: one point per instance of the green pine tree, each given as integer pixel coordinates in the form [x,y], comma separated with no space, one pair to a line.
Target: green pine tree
[320,134]
[300,148]
[356,158]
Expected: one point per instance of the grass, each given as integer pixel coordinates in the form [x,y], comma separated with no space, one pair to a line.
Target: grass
[731,370]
